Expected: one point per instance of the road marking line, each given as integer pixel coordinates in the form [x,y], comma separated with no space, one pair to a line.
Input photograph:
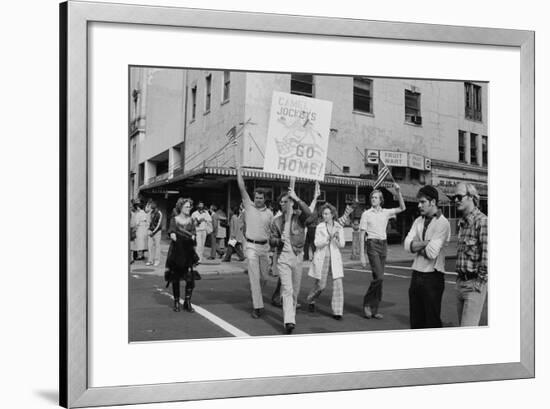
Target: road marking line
[220,322]
[395,275]
[236,332]
[397,268]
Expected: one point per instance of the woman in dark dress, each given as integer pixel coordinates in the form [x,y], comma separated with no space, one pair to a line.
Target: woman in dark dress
[181,253]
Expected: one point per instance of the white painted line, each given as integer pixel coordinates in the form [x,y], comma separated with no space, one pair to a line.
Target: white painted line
[212,318]
[220,323]
[394,275]
[398,268]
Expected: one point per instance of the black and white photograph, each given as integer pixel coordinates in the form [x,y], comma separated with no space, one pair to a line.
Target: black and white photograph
[280,203]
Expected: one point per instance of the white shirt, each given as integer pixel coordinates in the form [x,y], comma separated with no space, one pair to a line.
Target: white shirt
[202,218]
[438,233]
[375,222]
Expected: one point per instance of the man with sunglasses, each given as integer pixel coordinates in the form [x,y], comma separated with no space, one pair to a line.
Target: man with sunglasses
[472,255]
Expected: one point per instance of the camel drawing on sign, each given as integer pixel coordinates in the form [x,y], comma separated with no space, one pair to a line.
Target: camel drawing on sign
[297,133]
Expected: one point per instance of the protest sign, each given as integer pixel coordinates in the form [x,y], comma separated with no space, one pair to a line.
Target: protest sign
[297,138]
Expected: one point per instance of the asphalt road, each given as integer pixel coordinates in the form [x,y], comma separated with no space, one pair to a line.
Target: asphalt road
[223,307]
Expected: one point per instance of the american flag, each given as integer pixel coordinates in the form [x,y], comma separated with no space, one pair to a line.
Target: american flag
[382,173]
[232,136]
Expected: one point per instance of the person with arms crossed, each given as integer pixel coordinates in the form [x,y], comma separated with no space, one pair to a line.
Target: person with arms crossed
[472,256]
[257,219]
[373,225]
[427,238]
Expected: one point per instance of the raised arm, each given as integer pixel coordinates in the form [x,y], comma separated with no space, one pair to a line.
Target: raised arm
[316,194]
[306,213]
[402,206]
[242,187]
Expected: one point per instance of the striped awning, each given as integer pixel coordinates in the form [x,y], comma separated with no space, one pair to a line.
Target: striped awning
[260,174]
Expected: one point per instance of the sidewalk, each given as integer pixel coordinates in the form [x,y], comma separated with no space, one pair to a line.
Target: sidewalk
[396,254]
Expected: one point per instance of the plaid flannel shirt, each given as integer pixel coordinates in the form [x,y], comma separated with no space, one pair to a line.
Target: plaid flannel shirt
[472,250]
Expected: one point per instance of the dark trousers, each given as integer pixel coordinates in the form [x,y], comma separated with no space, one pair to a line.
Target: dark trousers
[309,243]
[237,249]
[376,252]
[189,285]
[214,246]
[425,294]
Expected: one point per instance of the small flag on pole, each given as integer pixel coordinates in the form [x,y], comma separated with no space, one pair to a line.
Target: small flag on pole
[382,173]
[232,136]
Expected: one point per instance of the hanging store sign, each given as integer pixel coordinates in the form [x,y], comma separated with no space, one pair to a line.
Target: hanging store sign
[297,137]
[397,159]
[428,164]
[416,161]
[371,156]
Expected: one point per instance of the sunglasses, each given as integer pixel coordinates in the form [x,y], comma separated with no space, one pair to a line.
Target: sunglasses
[459,197]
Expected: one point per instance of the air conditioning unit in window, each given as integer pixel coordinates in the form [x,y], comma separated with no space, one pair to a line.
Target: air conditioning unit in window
[416,119]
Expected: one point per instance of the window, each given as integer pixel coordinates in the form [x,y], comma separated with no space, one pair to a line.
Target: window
[412,107]
[399,173]
[162,167]
[473,148]
[302,84]
[362,95]
[141,174]
[461,146]
[193,102]
[484,156]
[208,94]
[345,169]
[472,101]
[415,174]
[226,85]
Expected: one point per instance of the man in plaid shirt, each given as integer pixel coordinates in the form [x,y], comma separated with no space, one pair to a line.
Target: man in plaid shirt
[471,262]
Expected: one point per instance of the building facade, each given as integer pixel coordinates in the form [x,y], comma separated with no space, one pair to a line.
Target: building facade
[186,125]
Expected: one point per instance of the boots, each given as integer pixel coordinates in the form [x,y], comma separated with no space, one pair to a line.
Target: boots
[187,304]
[177,305]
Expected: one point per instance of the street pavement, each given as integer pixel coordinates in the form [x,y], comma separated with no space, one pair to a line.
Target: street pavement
[223,305]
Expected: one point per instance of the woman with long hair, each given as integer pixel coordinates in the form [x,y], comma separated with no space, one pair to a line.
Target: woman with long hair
[327,260]
[181,253]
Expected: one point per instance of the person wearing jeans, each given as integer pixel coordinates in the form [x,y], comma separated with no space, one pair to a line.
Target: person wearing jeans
[472,256]
[373,225]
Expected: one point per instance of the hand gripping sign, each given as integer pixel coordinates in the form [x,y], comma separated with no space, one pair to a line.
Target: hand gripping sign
[297,138]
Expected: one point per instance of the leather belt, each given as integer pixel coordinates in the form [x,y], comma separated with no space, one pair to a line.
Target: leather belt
[257,241]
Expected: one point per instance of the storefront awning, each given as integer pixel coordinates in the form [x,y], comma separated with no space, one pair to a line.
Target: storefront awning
[249,173]
[410,190]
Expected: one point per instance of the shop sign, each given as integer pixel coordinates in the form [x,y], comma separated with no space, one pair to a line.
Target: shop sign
[416,161]
[371,157]
[397,159]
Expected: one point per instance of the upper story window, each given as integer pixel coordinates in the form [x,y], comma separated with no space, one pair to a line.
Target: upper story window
[302,84]
[461,146]
[472,101]
[226,85]
[412,107]
[193,103]
[208,93]
[362,95]
[484,151]
[473,149]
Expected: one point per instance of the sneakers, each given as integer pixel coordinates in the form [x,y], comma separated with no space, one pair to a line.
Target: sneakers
[337,317]
[149,263]
[257,312]
[367,311]
[156,264]
[289,327]
[378,316]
